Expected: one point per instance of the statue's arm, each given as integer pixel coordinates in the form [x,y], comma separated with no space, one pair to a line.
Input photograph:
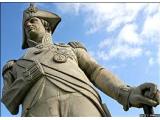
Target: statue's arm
[102,78]
[9,75]
[112,86]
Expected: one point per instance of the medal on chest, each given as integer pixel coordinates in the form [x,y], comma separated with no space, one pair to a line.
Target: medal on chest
[60,56]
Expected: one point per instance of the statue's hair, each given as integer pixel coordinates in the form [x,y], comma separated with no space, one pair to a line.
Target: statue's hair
[46,25]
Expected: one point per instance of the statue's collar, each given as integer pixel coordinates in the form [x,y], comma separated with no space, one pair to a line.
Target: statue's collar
[46,41]
[44,45]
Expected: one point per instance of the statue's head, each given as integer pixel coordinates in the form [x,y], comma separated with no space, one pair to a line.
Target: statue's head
[36,23]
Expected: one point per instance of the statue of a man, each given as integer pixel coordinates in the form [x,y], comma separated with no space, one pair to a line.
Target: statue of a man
[60,79]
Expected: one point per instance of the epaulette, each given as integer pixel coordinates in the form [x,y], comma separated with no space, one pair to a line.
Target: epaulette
[61,44]
[76,45]
[8,65]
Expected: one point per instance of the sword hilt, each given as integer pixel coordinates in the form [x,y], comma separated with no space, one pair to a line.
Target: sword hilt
[148,110]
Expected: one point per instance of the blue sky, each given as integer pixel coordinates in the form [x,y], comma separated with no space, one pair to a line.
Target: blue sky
[123,38]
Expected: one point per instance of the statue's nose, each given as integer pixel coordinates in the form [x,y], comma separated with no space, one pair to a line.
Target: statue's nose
[28,24]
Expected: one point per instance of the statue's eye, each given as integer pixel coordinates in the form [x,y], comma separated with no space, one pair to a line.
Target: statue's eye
[33,20]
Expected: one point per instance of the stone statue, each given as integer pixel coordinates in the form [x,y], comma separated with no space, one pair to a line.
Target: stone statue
[60,79]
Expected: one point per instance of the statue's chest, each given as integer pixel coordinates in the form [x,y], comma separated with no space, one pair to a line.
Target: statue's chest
[51,54]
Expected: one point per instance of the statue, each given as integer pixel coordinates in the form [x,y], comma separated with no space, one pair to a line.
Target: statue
[60,79]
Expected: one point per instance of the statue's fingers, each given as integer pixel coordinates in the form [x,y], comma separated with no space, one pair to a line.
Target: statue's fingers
[153,91]
[149,89]
[158,96]
[147,101]
[147,94]
[146,86]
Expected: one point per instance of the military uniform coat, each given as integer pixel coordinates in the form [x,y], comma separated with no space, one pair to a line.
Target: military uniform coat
[47,71]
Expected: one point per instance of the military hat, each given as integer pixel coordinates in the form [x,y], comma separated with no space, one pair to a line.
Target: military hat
[33,11]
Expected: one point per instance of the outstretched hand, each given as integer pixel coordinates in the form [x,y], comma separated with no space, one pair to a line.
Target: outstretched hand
[145,94]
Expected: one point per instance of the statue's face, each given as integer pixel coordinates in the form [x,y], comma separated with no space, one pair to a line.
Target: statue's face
[34,29]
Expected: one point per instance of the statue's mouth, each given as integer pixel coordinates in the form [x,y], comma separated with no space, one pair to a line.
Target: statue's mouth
[31,28]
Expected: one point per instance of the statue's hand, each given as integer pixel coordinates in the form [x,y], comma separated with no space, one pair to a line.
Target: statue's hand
[145,94]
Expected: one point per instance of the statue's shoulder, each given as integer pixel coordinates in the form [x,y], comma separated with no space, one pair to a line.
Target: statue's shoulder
[76,44]
[8,65]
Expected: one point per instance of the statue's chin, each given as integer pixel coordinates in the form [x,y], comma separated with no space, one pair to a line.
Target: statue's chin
[35,36]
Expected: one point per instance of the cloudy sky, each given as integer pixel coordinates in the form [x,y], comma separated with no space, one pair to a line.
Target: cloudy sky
[122,37]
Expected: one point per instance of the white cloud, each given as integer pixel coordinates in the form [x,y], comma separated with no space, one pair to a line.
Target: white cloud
[151,61]
[148,53]
[103,15]
[102,55]
[129,35]
[120,52]
[69,8]
[138,24]
[124,51]
[152,8]
[151,29]
[158,56]
[105,43]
